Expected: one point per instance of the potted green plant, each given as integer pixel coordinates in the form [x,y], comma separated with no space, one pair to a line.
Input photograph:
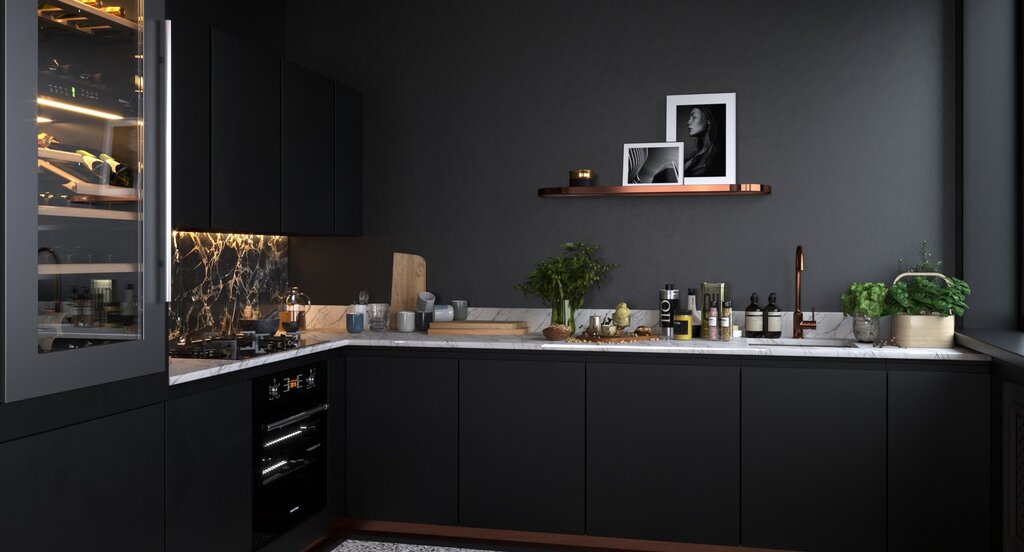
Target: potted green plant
[562,282]
[925,303]
[866,303]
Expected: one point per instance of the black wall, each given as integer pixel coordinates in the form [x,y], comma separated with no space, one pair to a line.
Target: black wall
[845,108]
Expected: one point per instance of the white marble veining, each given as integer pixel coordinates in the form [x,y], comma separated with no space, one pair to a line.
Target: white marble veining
[185,370]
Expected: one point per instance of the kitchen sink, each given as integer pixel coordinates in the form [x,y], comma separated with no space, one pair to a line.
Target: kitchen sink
[806,342]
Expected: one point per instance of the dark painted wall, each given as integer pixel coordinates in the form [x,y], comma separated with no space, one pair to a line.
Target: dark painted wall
[990,163]
[845,108]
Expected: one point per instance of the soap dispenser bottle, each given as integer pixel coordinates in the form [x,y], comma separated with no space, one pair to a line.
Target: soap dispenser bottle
[772,319]
[753,325]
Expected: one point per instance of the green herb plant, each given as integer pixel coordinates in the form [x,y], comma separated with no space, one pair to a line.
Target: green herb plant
[865,299]
[928,294]
[567,277]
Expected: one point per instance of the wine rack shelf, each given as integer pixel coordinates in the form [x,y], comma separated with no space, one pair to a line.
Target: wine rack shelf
[77,332]
[87,268]
[82,212]
[658,190]
[79,17]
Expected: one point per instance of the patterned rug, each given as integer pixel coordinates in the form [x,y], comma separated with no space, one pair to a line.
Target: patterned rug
[371,546]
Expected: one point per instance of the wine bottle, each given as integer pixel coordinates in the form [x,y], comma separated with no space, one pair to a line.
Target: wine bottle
[772,318]
[121,175]
[97,167]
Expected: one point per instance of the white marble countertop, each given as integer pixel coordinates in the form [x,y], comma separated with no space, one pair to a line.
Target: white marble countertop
[185,370]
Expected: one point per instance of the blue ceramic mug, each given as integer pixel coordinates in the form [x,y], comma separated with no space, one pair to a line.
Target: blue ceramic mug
[354,322]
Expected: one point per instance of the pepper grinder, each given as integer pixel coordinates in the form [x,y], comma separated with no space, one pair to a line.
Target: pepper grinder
[669,304]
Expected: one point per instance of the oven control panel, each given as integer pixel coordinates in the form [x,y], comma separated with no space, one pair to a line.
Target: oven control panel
[292,383]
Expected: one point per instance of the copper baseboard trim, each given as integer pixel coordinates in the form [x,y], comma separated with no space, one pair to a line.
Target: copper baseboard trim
[554,540]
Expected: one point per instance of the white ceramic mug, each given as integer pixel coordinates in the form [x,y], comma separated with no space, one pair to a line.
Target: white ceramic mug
[425,302]
[406,321]
[444,313]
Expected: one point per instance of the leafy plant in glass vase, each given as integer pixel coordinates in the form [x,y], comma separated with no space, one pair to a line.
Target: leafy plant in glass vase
[562,282]
[866,303]
[925,303]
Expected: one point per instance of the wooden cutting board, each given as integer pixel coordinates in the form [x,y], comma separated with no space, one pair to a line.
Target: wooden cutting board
[479,327]
[408,279]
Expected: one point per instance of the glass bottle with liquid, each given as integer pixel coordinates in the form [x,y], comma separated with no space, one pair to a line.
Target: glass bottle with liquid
[753,325]
[772,319]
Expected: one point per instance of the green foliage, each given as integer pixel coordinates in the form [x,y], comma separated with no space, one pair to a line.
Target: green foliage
[867,298]
[926,294]
[568,276]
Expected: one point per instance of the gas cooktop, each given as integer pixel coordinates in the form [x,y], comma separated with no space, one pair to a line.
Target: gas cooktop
[235,346]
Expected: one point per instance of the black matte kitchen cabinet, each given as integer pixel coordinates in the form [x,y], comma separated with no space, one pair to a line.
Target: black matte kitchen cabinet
[348,161]
[402,438]
[663,451]
[93,486]
[245,137]
[813,449]
[336,431]
[190,94]
[209,470]
[521,445]
[307,152]
[938,492]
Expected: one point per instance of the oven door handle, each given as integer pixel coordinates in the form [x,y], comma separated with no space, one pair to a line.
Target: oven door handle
[295,417]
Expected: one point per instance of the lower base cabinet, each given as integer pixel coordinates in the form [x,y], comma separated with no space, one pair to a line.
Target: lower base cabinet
[938,461]
[663,451]
[402,438]
[209,471]
[92,486]
[522,455]
[814,457]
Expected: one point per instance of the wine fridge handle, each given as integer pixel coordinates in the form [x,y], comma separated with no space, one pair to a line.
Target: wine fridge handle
[168,182]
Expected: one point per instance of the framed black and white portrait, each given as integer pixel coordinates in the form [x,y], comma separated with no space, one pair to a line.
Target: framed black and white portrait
[706,124]
[652,163]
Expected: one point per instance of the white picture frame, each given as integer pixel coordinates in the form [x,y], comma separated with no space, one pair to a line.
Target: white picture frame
[652,164]
[715,169]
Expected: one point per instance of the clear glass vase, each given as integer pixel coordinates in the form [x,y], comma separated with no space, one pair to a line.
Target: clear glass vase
[562,313]
[865,328]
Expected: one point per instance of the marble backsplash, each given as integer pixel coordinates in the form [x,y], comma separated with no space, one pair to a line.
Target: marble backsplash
[217,275]
[830,324]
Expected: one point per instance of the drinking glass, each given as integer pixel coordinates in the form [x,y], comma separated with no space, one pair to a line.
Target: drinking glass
[378,315]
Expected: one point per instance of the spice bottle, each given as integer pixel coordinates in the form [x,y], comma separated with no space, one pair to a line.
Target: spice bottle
[725,321]
[684,325]
[754,321]
[712,320]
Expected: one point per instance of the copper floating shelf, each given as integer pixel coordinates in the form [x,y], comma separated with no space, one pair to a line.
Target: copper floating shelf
[658,190]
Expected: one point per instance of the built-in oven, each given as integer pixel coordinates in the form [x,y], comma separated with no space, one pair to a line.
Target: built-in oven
[290,450]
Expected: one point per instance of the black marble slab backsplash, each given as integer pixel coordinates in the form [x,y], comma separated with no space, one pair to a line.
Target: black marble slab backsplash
[217,275]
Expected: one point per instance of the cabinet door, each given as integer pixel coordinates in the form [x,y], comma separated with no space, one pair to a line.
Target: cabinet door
[307,152]
[93,486]
[813,457]
[348,161]
[190,201]
[336,430]
[209,470]
[402,439]
[938,491]
[245,131]
[663,452]
[521,445]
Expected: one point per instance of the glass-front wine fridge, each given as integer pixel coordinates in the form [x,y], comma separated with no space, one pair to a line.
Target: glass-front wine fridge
[83,239]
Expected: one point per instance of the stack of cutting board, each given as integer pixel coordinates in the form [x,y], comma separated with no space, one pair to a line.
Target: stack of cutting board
[479,327]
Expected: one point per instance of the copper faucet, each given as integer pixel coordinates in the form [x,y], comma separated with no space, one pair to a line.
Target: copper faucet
[799,324]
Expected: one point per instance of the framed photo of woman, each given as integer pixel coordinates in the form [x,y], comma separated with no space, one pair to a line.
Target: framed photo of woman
[706,125]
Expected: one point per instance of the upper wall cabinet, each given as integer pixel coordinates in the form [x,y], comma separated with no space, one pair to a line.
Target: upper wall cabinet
[245,137]
[190,141]
[348,161]
[307,152]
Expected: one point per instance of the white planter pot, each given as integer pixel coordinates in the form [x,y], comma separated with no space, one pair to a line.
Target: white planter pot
[930,331]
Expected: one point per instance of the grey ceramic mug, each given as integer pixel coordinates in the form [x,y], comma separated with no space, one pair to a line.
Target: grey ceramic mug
[406,321]
[461,307]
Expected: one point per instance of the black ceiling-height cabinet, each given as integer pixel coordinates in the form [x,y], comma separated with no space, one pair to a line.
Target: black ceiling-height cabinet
[348,161]
[245,137]
[307,152]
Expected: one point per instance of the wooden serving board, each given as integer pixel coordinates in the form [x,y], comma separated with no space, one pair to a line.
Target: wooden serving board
[620,339]
[408,279]
[479,327]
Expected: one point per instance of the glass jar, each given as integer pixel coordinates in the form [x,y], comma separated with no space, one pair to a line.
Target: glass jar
[865,328]
[293,310]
